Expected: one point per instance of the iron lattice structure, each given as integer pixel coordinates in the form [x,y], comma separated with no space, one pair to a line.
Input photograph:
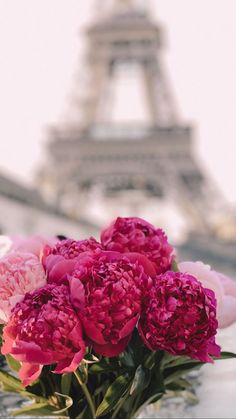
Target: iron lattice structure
[155,158]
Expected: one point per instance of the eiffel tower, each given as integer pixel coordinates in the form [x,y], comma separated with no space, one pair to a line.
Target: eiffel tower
[107,162]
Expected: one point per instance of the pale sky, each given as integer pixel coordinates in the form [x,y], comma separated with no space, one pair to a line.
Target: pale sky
[41,57]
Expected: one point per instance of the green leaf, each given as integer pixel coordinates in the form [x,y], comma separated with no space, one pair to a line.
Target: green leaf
[136,348]
[169,361]
[154,391]
[174,266]
[35,409]
[225,355]
[12,383]
[153,399]
[141,380]
[84,413]
[178,385]
[126,359]
[66,383]
[178,372]
[104,366]
[13,363]
[191,397]
[113,394]
[83,373]
[44,408]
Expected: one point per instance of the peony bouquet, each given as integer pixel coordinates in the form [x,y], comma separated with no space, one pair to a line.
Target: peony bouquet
[101,329]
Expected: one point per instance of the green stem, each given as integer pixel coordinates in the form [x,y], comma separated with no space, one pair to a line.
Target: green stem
[87,394]
[117,409]
[135,405]
[119,406]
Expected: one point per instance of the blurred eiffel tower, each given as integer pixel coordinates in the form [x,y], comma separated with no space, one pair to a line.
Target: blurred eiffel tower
[127,152]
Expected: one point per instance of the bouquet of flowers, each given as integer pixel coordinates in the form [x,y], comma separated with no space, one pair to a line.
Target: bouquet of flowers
[101,329]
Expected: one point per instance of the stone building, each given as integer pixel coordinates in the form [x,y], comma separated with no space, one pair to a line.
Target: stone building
[24,212]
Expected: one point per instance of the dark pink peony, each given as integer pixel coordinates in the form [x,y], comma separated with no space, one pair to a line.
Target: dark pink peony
[44,329]
[179,316]
[223,287]
[133,234]
[62,259]
[108,293]
[70,248]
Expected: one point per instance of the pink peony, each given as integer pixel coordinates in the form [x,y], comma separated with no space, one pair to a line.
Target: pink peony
[223,287]
[62,259]
[19,274]
[179,316]
[227,311]
[136,235]
[33,244]
[44,329]
[108,291]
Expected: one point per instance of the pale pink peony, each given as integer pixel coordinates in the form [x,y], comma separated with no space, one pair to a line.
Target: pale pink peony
[5,245]
[19,274]
[107,292]
[43,330]
[133,234]
[179,316]
[33,244]
[223,287]
[206,276]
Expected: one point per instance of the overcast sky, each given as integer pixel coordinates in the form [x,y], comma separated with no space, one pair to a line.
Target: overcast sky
[40,58]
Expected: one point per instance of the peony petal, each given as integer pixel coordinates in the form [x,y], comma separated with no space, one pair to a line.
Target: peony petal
[129,327]
[34,244]
[148,266]
[207,277]
[7,344]
[202,356]
[110,256]
[14,299]
[110,350]
[93,332]
[5,245]
[227,312]
[228,284]
[143,337]
[214,349]
[77,293]
[28,373]
[51,260]
[3,317]
[76,335]
[61,269]
[30,352]
[67,366]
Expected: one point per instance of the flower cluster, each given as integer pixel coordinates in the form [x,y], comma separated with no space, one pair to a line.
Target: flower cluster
[44,329]
[59,299]
[180,317]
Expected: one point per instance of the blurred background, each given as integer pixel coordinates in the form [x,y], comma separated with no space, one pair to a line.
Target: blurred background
[120,107]
[124,108]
